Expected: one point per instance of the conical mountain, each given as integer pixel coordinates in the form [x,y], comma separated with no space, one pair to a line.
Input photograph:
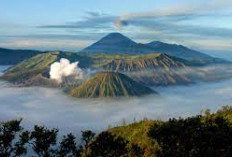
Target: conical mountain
[115,39]
[115,43]
[110,84]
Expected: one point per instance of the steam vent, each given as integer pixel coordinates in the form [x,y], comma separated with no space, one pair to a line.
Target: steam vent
[110,84]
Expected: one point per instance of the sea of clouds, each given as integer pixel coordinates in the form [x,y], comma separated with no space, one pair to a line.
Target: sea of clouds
[53,108]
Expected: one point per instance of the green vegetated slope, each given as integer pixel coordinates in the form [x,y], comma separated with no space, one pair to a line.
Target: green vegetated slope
[150,69]
[137,133]
[30,67]
[110,84]
[40,65]
[207,135]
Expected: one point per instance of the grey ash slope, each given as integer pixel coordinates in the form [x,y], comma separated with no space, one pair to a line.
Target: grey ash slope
[150,69]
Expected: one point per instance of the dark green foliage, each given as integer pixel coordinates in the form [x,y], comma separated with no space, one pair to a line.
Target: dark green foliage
[194,137]
[68,147]
[20,146]
[136,134]
[44,141]
[9,146]
[108,145]
[208,135]
[134,151]
[87,136]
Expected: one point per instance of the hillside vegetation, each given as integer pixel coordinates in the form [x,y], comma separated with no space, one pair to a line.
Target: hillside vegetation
[201,135]
[206,135]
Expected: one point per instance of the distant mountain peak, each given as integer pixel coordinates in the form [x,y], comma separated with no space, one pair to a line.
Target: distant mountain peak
[156,42]
[115,38]
[115,34]
[114,43]
[117,43]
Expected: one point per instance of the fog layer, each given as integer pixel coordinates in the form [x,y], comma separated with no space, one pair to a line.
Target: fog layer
[53,108]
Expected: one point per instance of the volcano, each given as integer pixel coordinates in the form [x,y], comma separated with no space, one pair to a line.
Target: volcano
[110,84]
[116,43]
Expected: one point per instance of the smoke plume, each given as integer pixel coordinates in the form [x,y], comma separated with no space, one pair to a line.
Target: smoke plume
[63,69]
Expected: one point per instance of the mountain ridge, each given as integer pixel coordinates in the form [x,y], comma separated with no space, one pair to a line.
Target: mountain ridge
[180,50]
[150,69]
[14,56]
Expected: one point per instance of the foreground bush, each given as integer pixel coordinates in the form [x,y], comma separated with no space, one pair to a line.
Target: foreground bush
[209,135]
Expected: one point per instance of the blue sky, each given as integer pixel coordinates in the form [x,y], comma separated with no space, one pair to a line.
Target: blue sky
[73,24]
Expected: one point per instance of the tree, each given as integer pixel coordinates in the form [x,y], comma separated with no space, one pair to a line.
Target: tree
[134,151]
[44,141]
[107,145]
[194,137]
[9,146]
[20,148]
[87,136]
[68,147]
